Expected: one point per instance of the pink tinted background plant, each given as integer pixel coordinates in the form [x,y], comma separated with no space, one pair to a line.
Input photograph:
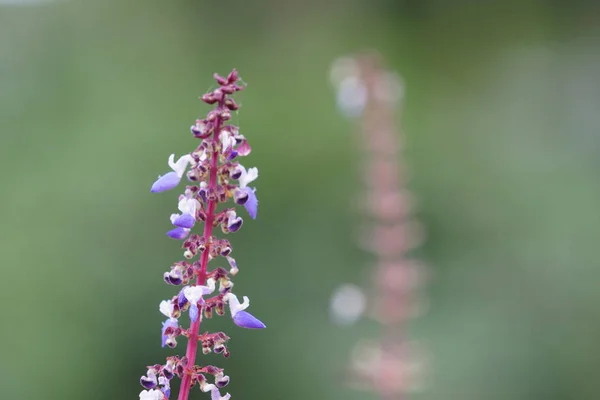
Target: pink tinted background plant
[366,91]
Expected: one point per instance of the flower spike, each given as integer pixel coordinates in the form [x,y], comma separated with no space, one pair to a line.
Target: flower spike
[216,176]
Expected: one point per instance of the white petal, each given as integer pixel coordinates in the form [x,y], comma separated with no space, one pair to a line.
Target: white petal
[210,286]
[181,164]
[195,293]
[166,307]
[188,206]
[151,395]
[248,176]
[234,304]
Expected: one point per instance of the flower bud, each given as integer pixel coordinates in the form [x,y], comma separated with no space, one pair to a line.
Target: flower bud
[221,381]
[226,115]
[233,76]
[240,196]
[149,381]
[234,224]
[235,173]
[220,80]
[219,348]
[193,175]
[225,251]
[231,104]
[208,98]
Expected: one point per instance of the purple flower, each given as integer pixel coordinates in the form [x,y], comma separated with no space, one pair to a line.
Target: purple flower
[240,317]
[171,179]
[187,218]
[170,323]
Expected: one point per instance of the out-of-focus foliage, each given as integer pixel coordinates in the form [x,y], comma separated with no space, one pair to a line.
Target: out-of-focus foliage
[502,138]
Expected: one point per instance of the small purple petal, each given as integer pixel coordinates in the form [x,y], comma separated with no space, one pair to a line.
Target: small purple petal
[166,182]
[181,300]
[185,221]
[168,373]
[244,319]
[232,155]
[148,382]
[252,203]
[202,194]
[194,313]
[235,225]
[166,391]
[170,323]
[178,233]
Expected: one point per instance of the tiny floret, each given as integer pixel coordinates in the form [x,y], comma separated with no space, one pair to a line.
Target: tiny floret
[167,340]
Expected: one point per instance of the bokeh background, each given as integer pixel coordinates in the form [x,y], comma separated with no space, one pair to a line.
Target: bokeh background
[502,138]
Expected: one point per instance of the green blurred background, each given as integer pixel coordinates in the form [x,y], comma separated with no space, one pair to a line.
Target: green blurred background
[501,120]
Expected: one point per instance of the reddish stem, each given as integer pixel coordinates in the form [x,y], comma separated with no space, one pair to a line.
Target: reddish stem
[192,345]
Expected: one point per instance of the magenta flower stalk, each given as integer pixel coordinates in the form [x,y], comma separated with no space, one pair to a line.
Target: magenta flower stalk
[370,93]
[213,169]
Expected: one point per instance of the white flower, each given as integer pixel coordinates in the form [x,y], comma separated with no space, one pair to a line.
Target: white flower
[181,164]
[151,395]
[188,208]
[247,176]
[166,307]
[195,293]
[234,304]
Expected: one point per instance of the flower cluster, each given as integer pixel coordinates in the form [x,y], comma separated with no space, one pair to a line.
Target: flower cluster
[212,169]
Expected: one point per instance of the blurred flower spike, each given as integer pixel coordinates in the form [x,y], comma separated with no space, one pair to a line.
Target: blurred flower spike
[212,170]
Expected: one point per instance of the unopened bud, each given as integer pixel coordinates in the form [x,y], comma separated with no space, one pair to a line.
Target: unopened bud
[171,342]
[219,348]
[220,308]
[240,197]
[235,173]
[208,98]
[221,381]
[231,104]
